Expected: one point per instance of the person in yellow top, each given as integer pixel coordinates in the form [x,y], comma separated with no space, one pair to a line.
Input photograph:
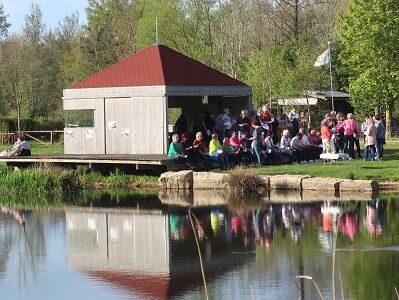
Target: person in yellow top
[216,152]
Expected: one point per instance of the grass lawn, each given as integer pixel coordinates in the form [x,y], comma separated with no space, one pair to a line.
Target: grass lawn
[39,148]
[385,170]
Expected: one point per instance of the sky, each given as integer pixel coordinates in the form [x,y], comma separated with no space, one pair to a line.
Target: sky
[52,11]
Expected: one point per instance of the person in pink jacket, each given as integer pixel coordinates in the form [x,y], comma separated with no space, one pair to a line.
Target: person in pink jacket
[350,133]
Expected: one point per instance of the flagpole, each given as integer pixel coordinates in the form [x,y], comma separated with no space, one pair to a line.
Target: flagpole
[331,80]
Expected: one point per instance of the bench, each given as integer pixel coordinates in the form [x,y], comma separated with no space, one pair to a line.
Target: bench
[333,157]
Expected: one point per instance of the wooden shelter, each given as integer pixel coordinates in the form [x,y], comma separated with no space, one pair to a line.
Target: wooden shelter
[123,109]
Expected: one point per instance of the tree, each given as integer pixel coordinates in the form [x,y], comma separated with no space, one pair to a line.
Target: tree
[110,34]
[4,25]
[370,54]
[15,74]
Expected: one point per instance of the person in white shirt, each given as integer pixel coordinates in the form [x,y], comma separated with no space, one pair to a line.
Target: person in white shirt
[297,146]
[272,150]
[285,147]
[21,148]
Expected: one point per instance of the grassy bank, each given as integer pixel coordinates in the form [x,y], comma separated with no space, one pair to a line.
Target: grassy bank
[40,179]
[384,170]
[45,178]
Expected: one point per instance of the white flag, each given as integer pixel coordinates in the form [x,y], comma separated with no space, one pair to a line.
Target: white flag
[323,59]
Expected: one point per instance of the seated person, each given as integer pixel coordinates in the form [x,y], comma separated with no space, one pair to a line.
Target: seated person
[315,142]
[233,154]
[235,141]
[285,147]
[272,150]
[216,152]
[176,151]
[246,148]
[21,148]
[311,151]
[200,151]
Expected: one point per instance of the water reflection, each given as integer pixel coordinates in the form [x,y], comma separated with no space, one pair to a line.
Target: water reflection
[150,253]
[375,217]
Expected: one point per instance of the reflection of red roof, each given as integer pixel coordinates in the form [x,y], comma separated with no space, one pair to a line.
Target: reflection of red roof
[157,65]
[155,286]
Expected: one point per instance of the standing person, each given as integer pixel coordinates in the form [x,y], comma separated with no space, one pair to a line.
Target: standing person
[363,126]
[274,124]
[294,120]
[256,117]
[283,121]
[340,133]
[181,125]
[256,141]
[266,119]
[380,136]
[200,150]
[227,123]
[219,126]
[198,124]
[209,123]
[326,136]
[350,132]
[243,122]
[370,140]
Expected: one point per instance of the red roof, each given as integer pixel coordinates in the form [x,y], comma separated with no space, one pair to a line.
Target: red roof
[154,66]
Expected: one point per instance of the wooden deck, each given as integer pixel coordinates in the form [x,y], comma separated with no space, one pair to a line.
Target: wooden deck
[93,161]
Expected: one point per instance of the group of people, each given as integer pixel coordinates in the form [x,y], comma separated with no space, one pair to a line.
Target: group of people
[340,134]
[265,137]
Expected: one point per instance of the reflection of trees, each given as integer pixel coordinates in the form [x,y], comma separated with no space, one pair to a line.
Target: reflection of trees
[24,246]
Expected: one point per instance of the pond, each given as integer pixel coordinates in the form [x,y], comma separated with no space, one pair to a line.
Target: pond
[145,248]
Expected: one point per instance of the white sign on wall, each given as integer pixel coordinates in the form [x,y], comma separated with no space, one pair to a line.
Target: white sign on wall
[112,125]
[89,134]
[69,133]
[125,132]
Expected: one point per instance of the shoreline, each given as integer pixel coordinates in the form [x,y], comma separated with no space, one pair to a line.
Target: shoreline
[189,180]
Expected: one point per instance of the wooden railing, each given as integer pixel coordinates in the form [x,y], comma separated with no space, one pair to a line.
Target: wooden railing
[41,136]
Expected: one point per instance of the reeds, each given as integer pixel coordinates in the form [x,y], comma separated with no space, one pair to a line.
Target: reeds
[42,178]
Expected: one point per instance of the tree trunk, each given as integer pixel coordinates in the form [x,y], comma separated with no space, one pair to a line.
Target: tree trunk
[388,132]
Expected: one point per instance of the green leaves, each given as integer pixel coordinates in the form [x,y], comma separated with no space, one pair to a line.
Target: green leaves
[370,52]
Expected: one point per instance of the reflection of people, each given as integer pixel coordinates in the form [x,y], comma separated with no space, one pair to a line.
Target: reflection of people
[20,215]
[375,216]
[21,148]
[349,223]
